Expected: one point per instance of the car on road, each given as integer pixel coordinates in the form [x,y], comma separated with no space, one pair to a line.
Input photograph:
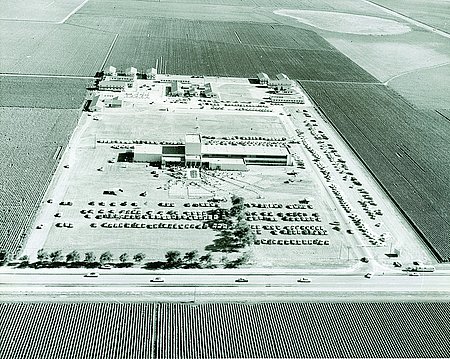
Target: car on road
[417,263]
[241,280]
[369,275]
[304,280]
[397,264]
[414,274]
[365,259]
[91,275]
[105,266]
[157,280]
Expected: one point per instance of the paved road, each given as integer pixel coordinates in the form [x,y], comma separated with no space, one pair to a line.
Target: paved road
[132,287]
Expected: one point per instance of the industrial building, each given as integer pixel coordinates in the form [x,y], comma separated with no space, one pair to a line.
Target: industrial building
[210,91]
[224,157]
[287,98]
[263,78]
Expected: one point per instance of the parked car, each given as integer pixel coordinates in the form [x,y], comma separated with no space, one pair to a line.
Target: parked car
[369,275]
[365,259]
[397,264]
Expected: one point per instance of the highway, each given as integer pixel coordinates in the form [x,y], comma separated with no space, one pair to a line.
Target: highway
[190,287]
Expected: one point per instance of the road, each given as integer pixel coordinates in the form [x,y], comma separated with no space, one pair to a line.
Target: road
[72,285]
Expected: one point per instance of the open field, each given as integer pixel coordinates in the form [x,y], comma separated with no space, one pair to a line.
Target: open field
[35,48]
[49,93]
[432,81]
[185,10]
[346,23]
[404,149]
[139,330]
[431,12]
[32,142]
[386,57]
[38,10]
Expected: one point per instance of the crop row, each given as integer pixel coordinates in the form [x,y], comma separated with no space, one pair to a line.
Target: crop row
[225,59]
[280,36]
[406,151]
[36,48]
[33,141]
[272,330]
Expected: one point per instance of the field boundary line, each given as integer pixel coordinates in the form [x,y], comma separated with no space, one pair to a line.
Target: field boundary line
[415,70]
[342,82]
[47,76]
[109,52]
[73,12]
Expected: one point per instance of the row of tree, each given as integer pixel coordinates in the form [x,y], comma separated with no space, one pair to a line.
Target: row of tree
[238,235]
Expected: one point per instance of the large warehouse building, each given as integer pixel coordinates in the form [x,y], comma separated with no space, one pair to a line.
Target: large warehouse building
[194,153]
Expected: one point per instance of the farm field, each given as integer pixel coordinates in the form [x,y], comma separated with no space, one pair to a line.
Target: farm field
[270,35]
[50,93]
[32,141]
[52,49]
[404,149]
[432,81]
[431,12]
[38,10]
[272,330]
[187,10]
[222,59]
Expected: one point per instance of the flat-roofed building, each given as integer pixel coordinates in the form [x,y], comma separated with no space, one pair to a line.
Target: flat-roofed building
[150,153]
[283,98]
[151,73]
[226,164]
[116,86]
[113,102]
[263,155]
[227,157]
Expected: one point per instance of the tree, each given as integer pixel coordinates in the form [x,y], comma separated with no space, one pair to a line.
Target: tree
[244,234]
[89,257]
[124,257]
[73,256]
[139,257]
[206,260]
[5,256]
[106,257]
[191,256]
[237,208]
[42,255]
[56,256]
[173,259]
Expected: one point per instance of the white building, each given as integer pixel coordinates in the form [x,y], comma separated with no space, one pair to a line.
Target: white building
[111,70]
[210,91]
[131,71]
[286,98]
[263,78]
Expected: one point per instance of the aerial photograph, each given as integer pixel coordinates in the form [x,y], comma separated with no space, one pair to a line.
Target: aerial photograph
[195,179]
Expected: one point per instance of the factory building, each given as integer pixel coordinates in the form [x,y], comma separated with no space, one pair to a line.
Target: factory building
[226,157]
[263,78]
[287,98]
[210,91]
[175,88]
